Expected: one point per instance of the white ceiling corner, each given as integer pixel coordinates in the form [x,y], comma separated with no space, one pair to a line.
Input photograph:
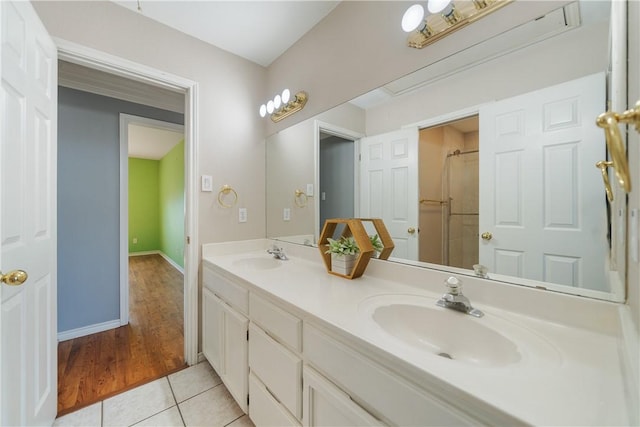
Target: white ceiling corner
[146,142]
[259,31]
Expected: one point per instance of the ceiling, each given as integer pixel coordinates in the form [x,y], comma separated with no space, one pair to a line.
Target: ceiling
[151,143]
[259,31]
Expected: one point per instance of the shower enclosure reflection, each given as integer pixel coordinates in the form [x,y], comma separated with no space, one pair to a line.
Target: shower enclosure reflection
[448,176]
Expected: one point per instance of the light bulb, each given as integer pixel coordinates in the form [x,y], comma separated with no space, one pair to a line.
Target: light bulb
[437,6]
[270,107]
[412,18]
[286,95]
[277,101]
[263,110]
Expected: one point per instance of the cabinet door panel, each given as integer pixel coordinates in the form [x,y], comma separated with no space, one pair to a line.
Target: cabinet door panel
[326,405]
[212,329]
[278,368]
[277,322]
[236,368]
[264,410]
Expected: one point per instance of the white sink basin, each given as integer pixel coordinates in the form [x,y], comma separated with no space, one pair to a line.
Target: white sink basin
[417,323]
[258,263]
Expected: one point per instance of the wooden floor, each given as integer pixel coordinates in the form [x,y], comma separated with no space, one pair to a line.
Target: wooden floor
[97,366]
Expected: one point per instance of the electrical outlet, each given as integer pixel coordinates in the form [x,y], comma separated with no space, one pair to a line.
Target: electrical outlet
[310,190]
[323,196]
[242,215]
[286,215]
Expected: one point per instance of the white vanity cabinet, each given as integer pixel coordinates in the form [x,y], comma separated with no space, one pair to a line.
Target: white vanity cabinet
[275,364]
[225,333]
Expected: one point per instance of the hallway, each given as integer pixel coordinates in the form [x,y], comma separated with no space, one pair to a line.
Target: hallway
[151,346]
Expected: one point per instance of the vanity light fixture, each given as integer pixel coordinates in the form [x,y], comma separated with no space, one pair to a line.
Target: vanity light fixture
[283,106]
[443,18]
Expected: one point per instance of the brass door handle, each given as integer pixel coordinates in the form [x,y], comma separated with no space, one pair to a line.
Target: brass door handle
[14,278]
[486,236]
[603,165]
[609,122]
[411,230]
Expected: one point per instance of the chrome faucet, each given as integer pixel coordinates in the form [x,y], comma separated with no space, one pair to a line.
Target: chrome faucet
[455,300]
[278,253]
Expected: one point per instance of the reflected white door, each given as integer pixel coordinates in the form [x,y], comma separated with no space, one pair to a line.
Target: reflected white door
[28,353]
[541,196]
[389,186]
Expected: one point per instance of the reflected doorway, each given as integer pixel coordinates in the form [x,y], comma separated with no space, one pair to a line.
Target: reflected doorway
[449,187]
[337,167]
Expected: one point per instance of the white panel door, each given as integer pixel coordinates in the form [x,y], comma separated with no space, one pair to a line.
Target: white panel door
[541,195]
[389,186]
[28,353]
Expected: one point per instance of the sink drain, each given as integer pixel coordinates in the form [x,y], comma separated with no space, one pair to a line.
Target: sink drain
[445,355]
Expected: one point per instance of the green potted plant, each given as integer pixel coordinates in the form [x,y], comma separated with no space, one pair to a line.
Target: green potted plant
[376,243]
[344,252]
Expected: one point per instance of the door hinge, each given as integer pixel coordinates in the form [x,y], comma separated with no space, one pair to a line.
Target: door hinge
[188,240]
[247,399]
[247,335]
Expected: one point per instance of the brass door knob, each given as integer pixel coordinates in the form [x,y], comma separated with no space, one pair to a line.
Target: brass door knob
[486,236]
[14,278]
[411,230]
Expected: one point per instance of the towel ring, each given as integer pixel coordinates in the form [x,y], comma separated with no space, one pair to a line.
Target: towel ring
[224,191]
[300,199]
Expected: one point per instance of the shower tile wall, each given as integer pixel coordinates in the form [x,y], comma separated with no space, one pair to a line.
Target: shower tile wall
[454,140]
[435,144]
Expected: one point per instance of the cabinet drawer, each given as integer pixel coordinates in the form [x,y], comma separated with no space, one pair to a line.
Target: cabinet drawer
[231,293]
[278,323]
[279,369]
[374,387]
[264,410]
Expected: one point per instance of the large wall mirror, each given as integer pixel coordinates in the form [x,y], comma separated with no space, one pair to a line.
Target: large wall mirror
[484,158]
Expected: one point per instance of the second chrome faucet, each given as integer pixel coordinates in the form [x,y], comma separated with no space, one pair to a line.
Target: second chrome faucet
[454,299]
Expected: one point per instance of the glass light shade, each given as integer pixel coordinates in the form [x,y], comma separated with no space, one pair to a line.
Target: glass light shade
[277,102]
[286,96]
[270,107]
[263,110]
[412,18]
[437,6]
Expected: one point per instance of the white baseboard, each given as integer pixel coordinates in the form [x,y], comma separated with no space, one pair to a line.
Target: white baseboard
[163,255]
[172,262]
[144,253]
[88,330]
[201,357]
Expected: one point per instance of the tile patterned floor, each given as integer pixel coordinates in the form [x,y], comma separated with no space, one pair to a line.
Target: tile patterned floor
[192,397]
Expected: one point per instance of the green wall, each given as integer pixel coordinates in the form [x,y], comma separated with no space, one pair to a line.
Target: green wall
[144,213]
[171,189]
[156,204]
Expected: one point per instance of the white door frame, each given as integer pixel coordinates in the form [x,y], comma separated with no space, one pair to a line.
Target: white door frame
[320,126]
[125,121]
[88,57]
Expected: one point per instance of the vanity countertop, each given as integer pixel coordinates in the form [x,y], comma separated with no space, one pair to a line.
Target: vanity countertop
[569,373]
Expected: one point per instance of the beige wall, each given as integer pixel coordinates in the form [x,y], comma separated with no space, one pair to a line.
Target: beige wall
[291,165]
[359,46]
[231,146]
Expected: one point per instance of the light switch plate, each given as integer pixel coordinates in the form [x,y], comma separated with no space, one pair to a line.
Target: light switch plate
[286,214]
[310,190]
[242,215]
[207,183]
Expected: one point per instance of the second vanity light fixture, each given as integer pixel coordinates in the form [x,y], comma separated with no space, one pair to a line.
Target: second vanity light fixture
[444,17]
[282,106]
